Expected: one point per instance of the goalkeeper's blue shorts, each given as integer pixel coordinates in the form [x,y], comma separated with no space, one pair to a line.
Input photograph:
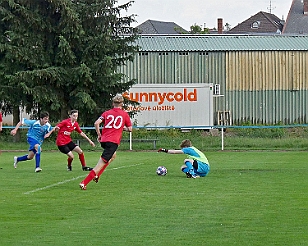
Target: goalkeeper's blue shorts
[203,169]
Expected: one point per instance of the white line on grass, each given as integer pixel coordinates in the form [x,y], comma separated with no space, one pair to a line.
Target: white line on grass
[69,180]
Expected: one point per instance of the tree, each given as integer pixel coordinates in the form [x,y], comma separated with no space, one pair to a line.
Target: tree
[57,55]
[196,29]
[227,26]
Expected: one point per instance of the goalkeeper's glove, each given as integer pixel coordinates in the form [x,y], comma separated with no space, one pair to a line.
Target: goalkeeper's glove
[163,150]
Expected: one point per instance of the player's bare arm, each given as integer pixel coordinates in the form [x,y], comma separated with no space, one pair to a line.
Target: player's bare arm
[171,151]
[175,151]
[49,133]
[97,124]
[14,131]
[86,137]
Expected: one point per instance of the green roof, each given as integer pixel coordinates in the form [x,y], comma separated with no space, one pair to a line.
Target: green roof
[154,43]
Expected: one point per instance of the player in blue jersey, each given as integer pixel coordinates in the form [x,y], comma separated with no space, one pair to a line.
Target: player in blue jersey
[196,165]
[38,131]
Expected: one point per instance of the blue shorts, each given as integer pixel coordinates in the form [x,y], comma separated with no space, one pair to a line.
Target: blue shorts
[32,142]
[203,169]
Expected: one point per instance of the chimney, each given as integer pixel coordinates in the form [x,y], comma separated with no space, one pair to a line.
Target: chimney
[305,7]
[219,23]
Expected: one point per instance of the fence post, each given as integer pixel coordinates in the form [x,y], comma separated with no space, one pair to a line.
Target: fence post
[222,138]
[130,141]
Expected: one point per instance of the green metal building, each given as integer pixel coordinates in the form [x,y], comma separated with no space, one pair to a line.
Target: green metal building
[257,79]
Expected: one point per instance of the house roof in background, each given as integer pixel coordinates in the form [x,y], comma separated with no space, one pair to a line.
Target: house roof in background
[297,22]
[159,27]
[259,23]
[186,43]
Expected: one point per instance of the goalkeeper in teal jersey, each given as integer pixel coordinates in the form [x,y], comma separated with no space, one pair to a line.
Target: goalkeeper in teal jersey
[38,131]
[196,165]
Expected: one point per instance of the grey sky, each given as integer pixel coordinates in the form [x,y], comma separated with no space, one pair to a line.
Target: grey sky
[188,12]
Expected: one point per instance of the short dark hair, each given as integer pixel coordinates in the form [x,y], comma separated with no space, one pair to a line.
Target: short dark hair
[44,114]
[73,111]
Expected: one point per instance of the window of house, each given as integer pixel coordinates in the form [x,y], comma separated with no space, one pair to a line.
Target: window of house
[255,24]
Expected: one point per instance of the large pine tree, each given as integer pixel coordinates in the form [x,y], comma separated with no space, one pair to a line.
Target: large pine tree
[57,55]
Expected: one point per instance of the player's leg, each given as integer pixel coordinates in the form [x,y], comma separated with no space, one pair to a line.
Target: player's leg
[92,174]
[30,155]
[81,158]
[70,156]
[38,158]
[26,157]
[108,155]
[105,165]
[188,168]
[103,162]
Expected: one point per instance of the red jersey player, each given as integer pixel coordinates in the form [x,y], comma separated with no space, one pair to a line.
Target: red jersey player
[115,121]
[65,143]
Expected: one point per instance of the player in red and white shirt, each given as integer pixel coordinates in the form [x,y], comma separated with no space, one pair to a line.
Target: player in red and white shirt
[115,121]
[65,143]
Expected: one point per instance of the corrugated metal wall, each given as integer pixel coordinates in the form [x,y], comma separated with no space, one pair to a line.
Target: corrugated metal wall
[268,107]
[176,67]
[266,70]
[267,87]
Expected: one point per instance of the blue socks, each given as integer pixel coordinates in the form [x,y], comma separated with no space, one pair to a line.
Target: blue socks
[22,158]
[37,160]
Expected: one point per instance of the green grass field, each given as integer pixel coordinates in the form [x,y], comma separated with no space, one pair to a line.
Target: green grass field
[249,198]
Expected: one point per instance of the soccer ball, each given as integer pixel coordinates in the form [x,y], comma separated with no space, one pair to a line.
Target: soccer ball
[161,171]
